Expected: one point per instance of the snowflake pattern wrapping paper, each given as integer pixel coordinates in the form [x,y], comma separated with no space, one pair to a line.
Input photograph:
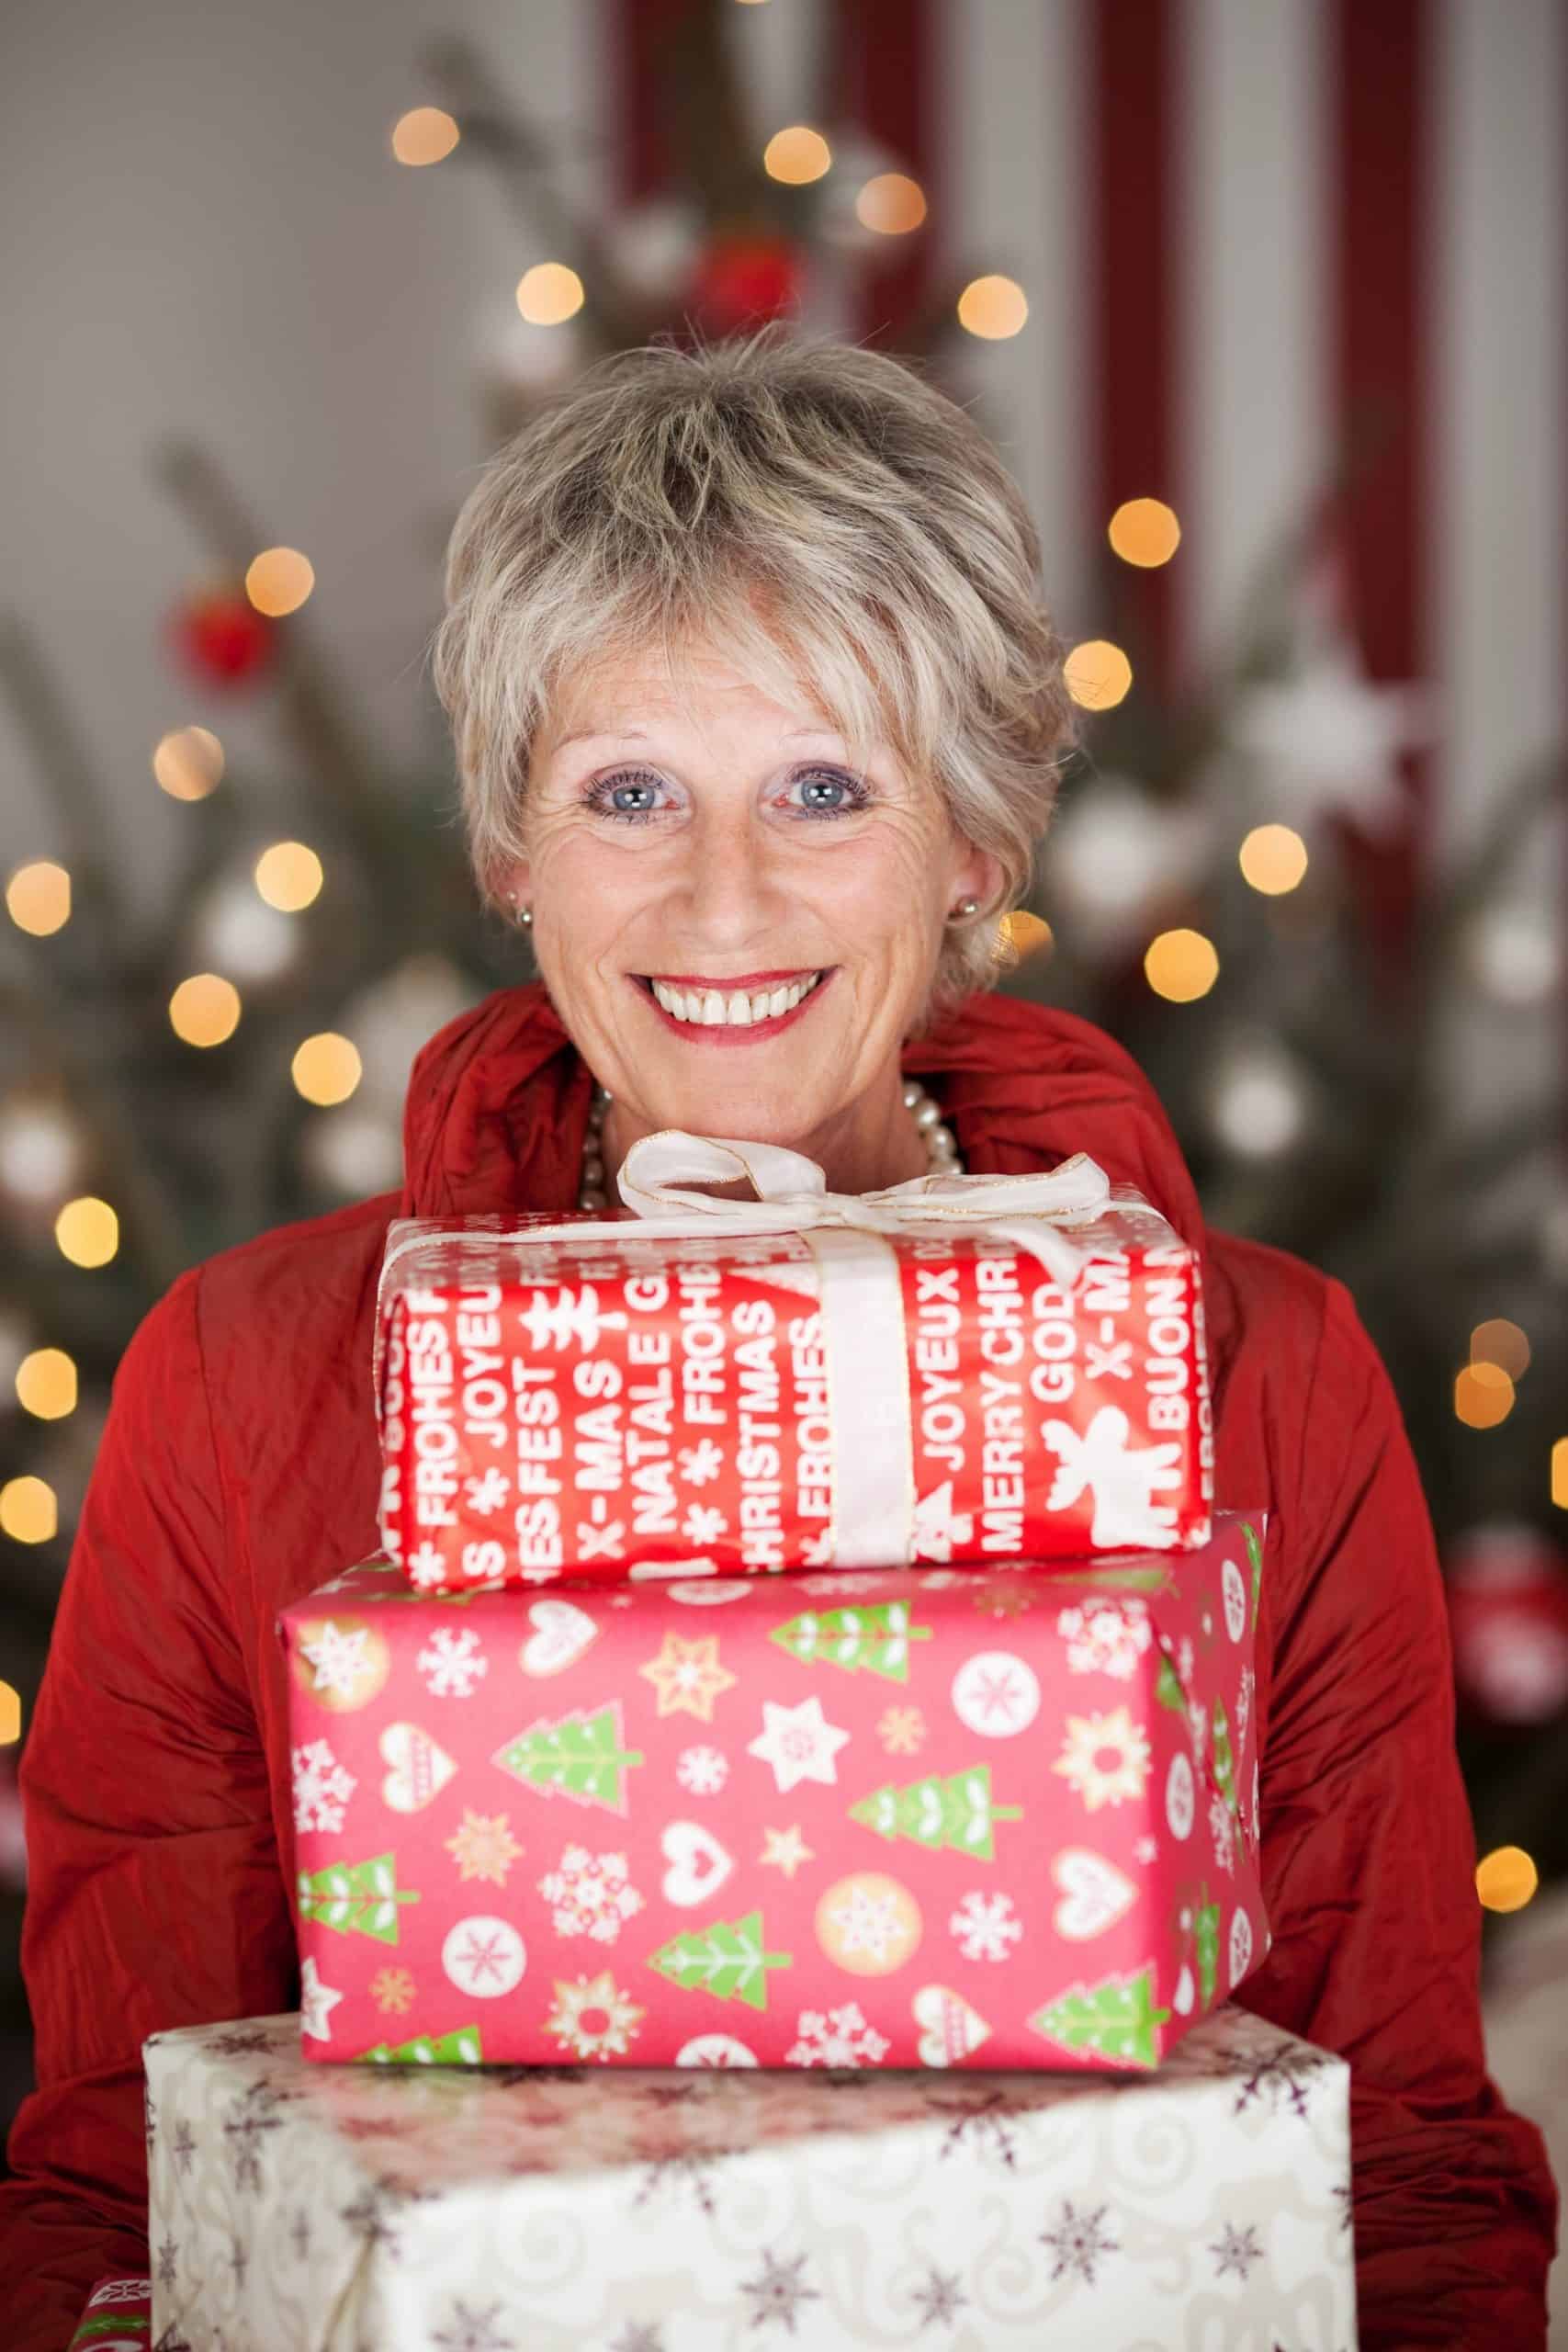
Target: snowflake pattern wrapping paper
[293,2210]
[613,1403]
[937,1818]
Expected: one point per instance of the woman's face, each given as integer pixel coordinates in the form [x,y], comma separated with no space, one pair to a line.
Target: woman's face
[699,849]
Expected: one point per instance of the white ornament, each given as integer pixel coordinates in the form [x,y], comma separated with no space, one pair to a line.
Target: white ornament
[1241,1948]
[995,1694]
[1233,1593]
[715,2050]
[484,1957]
[1328,739]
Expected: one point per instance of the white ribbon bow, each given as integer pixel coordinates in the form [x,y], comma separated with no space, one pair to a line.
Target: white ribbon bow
[1032,1212]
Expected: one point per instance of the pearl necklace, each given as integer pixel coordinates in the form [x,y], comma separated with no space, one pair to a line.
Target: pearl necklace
[940,1146]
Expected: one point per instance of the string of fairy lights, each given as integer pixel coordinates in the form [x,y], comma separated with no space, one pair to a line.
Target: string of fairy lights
[251,932]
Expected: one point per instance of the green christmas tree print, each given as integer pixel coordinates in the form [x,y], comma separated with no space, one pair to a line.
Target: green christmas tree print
[1167,1687]
[1117,2018]
[580,1757]
[1224,1761]
[726,1959]
[460,2048]
[356,1898]
[1254,1554]
[957,1811]
[875,1636]
[1206,1945]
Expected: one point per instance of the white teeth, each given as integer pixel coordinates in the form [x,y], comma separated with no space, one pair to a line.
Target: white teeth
[721,1009]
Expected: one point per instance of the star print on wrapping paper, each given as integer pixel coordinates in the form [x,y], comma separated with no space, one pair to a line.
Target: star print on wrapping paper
[786,1851]
[799,1744]
[339,1658]
[487,1493]
[425,1566]
[688,1676]
[703,1524]
[700,1464]
[317,2002]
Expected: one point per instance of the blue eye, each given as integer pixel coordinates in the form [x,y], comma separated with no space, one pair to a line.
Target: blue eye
[628,797]
[829,792]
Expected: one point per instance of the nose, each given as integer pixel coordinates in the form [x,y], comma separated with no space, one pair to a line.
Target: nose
[729,887]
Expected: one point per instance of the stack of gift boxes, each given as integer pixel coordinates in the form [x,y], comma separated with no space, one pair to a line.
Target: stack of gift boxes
[803,1661]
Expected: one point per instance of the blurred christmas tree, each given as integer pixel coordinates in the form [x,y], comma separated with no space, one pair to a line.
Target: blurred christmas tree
[1214,893]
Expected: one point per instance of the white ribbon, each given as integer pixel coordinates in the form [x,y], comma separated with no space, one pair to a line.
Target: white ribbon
[849,1235]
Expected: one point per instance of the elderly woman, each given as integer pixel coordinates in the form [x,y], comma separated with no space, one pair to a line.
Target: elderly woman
[759,716]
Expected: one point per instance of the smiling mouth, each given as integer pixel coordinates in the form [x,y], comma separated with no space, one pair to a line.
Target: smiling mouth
[729,1005]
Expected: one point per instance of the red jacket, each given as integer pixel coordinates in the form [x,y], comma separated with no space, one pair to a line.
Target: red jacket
[239,1470]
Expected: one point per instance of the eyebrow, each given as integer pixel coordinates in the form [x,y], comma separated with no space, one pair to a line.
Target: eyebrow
[639,735]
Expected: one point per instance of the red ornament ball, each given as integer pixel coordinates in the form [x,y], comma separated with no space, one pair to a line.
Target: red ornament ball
[745,278]
[220,636]
[1507,1589]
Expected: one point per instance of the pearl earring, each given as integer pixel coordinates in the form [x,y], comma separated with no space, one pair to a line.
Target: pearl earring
[964,908]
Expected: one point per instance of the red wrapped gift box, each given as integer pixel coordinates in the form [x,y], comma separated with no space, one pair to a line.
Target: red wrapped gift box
[599,1398]
[866,1817]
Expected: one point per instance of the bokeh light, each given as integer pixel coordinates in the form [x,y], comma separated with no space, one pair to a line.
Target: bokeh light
[992,308]
[1503,1343]
[549,293]
[1484,1396]
[1026,934]
[29,1510]
[423,135]
[1145,531]
[10,1715]
[1098,675]
[38,898]
[288,876]
[46,1384]
[1506,1879]
[326,1069]
[188,763]
[1181,965]
[205,1010]
[278,581]
[87,1231]
[891,204]
[796,155]
[1272,859]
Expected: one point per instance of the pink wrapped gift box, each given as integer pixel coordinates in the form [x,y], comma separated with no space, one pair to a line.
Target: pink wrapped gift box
[930,1818]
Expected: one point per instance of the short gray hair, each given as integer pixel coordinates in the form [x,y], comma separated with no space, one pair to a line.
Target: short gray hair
[819,511]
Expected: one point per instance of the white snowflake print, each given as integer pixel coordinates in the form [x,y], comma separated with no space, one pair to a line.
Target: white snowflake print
[487,1493]
[841,2038]
[1146,1851]
[1184,1661]
[339,1658]
[700,1464]
[869,1921]
[452,1662]
[1108,1638]
[1243,1703]
[985,1927]
[703,1771]
[799,1743]
[1199,1723]
[1222,1829]
[426,1567]
[703,1525]
[592,1894]
[1122,1480]
[322,1787]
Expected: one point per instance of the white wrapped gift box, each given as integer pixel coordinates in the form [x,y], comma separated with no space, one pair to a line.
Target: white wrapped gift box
[301,2207]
